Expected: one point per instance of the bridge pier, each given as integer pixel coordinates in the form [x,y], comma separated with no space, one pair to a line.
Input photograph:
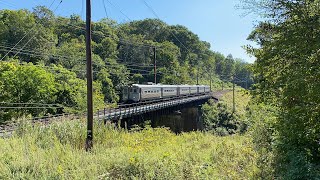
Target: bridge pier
[183,117]
[178,113]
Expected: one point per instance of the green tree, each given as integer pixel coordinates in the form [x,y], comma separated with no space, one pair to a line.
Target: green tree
[229,69]
[219,63]
[107,86]
[25,83]
[288,77]
[220,119]
[21,26]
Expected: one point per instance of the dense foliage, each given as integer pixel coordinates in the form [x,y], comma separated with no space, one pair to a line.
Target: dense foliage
[56,152]
[33,86]
[122,54]
[219,117]
[288,76]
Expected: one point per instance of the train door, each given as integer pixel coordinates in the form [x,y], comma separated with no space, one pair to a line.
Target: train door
[125,94]
[161,89]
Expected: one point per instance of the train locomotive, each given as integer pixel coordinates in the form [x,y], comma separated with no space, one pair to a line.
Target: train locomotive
[142,92]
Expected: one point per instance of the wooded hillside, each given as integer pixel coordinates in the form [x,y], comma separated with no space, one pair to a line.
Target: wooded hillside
[43,59]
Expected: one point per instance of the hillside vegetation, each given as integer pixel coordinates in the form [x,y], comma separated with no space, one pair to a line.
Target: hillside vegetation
[219,117]
[286,95]
[54,48]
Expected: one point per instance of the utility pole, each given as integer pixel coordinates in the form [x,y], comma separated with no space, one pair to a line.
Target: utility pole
[210,80]
[89,140]
[155,65]
[247,77]
[246,84]
[198,75]
[233,88]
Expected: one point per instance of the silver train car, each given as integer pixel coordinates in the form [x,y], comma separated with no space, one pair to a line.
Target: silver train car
[142,92]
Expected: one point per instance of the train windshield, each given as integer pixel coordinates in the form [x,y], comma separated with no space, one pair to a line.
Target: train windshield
[133,90]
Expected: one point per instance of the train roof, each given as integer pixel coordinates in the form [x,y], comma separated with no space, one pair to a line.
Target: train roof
[152,85]
[163,85]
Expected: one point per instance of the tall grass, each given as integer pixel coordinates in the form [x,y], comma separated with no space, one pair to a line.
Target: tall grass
[56,152]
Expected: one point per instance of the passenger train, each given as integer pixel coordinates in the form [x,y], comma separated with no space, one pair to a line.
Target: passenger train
[142,92]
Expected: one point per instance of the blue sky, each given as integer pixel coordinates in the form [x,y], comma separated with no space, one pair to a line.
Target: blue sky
[215,21]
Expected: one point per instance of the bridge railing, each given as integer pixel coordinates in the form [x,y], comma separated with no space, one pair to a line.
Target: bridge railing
[125,110]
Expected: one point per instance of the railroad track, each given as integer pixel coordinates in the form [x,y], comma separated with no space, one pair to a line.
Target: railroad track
[8,128]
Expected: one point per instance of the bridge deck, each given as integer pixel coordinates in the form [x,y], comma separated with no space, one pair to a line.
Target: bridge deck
[122,110]
[128,110]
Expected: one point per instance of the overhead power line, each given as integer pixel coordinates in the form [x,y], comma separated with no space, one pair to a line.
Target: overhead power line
[105,9]
[34,26]
[114,5]
[79,70]
[154,13]
[35,33]
[8,4]
[23,107]
[41,104]
[57,57]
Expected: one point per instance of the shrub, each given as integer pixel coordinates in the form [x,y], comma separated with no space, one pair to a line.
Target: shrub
[220,118]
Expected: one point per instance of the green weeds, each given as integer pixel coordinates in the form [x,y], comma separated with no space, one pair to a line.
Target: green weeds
[57,152]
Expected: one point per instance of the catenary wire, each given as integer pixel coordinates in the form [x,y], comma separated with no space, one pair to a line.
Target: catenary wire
[24,35]
[154,13]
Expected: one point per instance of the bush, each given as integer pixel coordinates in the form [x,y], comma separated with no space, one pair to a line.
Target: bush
[220,118]
[277,156]
[32,85]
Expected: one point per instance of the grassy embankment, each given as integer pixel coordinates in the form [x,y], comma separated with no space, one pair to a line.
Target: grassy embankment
[242,98]
[56,152]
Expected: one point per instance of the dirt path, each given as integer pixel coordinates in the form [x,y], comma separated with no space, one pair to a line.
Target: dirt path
[219,94]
